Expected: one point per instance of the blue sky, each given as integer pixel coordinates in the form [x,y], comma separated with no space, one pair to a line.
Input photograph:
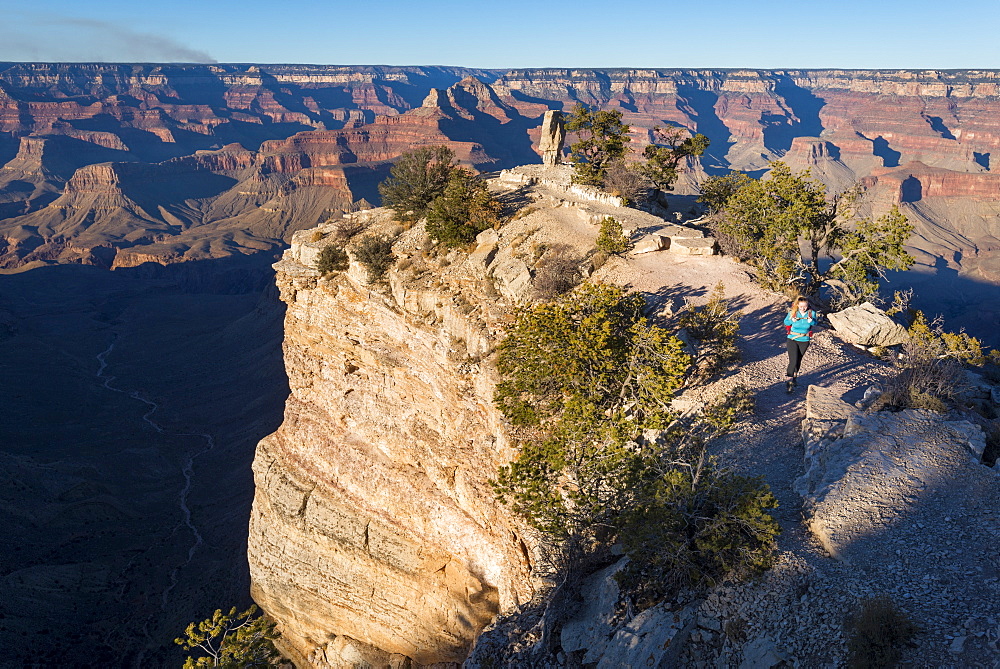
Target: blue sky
[511,33]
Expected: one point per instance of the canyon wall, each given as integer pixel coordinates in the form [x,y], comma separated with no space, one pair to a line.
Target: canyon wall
[257,140]
[375,536]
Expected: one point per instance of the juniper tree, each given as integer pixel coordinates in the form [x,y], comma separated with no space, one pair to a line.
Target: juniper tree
[331,258]
[663,157]
[587,383]
[415,180]
[603,140]
[464,209]
[231,641]
[611,238]
[789,228]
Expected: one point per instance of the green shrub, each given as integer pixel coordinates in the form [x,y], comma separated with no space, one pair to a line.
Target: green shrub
[415,180]
[462,211]
[693,532]
[331,258]
[930,373]
[375,253]
[587,382]
[611,239]
[715,329]
[586,372]
[876,633]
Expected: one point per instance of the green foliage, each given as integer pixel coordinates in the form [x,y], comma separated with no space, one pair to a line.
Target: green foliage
[588,382]
[231,641]
[866,251]
[416,179]
[694,527]
[603,140]
[463,210]
[876,634]
[331,258]
[785,225]
[593,346]
[716,191]
[586,371]
[715,329]
[611,238]
[375,253]
[664,155]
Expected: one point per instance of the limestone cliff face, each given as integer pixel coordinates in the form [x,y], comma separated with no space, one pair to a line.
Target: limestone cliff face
[374,535]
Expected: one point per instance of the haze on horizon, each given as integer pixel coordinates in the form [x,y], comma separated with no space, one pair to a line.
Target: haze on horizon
[585,34]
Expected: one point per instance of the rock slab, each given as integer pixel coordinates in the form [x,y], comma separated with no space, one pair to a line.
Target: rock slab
[867,325]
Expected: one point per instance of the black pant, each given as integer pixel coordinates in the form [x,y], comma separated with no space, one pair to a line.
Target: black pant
[796,349]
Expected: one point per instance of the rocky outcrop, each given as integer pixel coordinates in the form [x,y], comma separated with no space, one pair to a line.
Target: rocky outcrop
[375,535]
[942,127]
[866,472]
[867,325]
[550,145]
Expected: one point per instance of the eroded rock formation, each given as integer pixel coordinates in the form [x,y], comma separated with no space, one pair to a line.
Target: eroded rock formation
[923,140]
[553,135]
[375,533]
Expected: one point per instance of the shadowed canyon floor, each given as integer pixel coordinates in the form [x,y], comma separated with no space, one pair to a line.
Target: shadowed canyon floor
[131,408]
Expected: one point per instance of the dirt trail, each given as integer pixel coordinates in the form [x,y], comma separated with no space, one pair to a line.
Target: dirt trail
[770,444]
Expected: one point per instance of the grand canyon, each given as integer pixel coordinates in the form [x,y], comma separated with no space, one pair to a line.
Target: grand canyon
[161,318]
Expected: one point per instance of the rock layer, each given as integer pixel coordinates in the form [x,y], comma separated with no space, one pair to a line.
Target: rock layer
[374,532]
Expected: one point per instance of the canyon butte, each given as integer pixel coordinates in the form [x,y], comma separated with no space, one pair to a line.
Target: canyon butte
[141,210]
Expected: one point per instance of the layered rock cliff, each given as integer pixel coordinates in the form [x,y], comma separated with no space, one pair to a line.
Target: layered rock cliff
[375,536]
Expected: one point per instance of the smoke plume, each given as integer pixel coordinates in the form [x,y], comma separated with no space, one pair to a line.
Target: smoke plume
[48,38]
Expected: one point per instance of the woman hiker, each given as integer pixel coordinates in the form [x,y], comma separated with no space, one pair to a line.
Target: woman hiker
[798,324]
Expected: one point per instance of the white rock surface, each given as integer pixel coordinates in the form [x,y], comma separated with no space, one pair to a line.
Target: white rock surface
[867,325]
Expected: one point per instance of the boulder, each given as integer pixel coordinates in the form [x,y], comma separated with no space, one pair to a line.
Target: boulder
[593,625]
[761,653]
[825,404]
[486,250]
[867,325]
[649,243]
[866,475]
[513,278]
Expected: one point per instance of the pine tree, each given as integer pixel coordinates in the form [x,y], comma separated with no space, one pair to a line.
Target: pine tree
[463,210]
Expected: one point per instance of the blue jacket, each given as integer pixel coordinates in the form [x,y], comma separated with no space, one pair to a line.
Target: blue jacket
[800,328]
